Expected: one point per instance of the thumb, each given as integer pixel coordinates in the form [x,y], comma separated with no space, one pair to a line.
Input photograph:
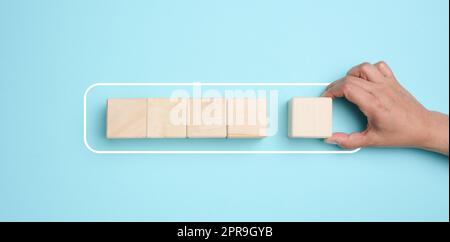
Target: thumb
[349,141]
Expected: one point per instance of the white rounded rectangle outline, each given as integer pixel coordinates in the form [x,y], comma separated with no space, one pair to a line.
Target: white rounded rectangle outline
[86,143]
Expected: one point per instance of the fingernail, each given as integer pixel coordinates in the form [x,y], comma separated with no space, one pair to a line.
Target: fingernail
[332,142]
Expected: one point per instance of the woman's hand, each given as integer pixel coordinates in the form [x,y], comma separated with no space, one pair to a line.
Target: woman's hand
[395,117]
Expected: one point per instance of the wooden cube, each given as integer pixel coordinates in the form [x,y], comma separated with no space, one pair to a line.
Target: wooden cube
[247,118]
[207,118]
[126,118]
[167,118]
[310,117]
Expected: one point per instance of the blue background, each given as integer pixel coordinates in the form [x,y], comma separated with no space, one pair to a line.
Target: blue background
[51,51]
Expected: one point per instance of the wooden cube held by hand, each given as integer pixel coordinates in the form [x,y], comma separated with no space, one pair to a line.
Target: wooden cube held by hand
[310,117]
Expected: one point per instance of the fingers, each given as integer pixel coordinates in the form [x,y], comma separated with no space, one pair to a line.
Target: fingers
[355,90]
[350,80]
[366,71]
[384,69]
[350,141]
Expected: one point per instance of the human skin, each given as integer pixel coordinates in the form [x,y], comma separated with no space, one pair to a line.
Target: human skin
[394,117]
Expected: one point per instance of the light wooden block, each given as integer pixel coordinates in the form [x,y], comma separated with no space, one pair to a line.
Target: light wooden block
[310,117]
[126,118]
[167,118]
[247,118]
[207,118]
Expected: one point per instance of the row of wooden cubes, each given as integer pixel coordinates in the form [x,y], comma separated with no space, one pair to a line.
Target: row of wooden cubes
[213,118]
[187,118]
